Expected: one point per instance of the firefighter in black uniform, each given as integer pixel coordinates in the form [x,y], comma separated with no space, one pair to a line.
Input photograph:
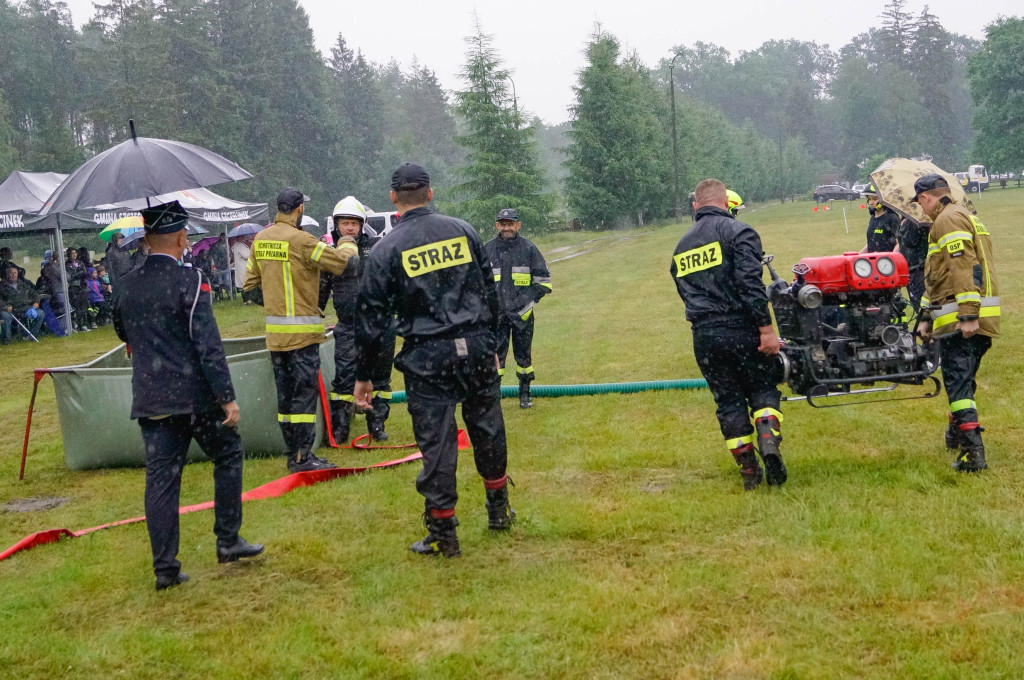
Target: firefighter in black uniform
[883,225]
[432,273]
[350,221]
[912,243]
[717,270]
[523,279]
[181,389]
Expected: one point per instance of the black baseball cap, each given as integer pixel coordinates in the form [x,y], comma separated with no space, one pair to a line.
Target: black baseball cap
[289,199]
[508,214]
[165,218]
[928,182]
[409,176]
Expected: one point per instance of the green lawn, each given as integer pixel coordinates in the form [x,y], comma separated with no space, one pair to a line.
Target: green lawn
[637,554]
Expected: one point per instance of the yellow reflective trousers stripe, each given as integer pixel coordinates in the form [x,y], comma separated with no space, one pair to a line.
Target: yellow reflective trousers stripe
[962,404]
[296,417]
[737,442]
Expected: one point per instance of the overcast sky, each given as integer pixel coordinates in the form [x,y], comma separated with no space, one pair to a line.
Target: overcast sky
[542,41]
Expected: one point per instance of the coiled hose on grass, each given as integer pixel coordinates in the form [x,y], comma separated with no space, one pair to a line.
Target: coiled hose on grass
[508,391]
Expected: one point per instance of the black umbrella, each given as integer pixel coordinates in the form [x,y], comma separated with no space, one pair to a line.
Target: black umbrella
[140,168]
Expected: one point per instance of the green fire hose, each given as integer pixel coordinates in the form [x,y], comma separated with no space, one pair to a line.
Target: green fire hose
[508,391]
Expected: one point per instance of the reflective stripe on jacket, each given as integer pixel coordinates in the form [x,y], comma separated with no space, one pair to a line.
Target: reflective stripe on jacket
[286,262]
[521,275]
[959,274]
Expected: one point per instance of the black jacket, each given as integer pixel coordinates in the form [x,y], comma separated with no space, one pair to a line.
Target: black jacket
[345,286]
[717,270]
[430,271]
[165,314]
[882,230]
[913,239]
[117,262]
[521,274]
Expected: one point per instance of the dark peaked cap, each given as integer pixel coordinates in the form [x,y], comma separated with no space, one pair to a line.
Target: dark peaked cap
[409,176]
[165,218]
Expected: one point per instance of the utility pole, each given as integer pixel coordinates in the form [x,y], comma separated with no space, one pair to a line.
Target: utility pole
[515,102]
[675,143]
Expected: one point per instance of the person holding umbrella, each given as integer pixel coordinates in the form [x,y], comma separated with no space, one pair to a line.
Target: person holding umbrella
[116,260]
[286,263]
[181,390]
[962,300]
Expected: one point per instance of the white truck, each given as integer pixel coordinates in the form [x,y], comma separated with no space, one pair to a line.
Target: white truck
[974,180]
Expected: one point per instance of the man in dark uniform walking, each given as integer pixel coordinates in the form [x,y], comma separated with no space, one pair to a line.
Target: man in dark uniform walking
[523,279]
[883,226]
[181,389]
[717,271]
[431,272]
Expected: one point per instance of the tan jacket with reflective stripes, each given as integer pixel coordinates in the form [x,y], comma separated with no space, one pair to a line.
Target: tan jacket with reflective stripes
[286,262]
[959,272]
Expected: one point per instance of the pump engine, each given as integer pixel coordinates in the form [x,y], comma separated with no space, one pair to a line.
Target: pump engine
[842,324]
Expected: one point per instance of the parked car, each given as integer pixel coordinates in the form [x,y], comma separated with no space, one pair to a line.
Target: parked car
[859,188]
[834,192]
[380,223]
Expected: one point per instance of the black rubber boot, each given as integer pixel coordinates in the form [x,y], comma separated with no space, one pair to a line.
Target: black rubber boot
[769,436]
[440,539]
[306,461]
[500,515]
[952,435]
[377,417]
[525,401]
[972,450]
[341,419]
[750,468]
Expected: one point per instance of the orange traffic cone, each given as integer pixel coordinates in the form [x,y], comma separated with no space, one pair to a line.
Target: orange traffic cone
[861,206]
[815,208]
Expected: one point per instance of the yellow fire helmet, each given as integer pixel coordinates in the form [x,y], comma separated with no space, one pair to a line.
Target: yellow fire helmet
[350,207]
[734,201]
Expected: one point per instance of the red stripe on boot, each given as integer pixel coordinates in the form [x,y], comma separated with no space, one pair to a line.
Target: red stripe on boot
[442,514]
[494,484]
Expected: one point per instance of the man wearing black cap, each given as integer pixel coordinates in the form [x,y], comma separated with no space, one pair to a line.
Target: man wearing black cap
[181,389]
[961,291]
[286,263]
[431,273]
[522,277]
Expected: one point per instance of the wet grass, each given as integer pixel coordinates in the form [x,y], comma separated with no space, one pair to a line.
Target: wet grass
[637,553]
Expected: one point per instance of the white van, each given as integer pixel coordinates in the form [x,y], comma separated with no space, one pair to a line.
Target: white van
[380,223]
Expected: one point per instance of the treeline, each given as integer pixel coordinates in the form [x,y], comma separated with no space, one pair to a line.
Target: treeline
[899,89]
[241,77]
[244,78]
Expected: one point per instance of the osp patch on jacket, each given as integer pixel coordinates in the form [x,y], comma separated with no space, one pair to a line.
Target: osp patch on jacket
[698,259]
[434,256]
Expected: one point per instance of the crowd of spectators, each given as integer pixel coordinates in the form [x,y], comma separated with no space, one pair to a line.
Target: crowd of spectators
[28,309]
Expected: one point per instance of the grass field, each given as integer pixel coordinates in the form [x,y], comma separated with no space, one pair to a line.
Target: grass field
[637,554]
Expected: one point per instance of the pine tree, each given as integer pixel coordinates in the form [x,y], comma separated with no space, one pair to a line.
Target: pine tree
[617,155]
[896,32]
[503,170]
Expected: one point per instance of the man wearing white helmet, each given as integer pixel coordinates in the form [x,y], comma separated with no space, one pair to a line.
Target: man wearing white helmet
[349,216]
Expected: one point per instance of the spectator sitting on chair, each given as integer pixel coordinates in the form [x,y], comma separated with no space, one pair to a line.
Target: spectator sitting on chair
[99,308]
[19,303]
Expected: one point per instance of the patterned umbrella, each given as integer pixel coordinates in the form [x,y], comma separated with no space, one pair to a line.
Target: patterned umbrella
[125,225]
[895,179]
